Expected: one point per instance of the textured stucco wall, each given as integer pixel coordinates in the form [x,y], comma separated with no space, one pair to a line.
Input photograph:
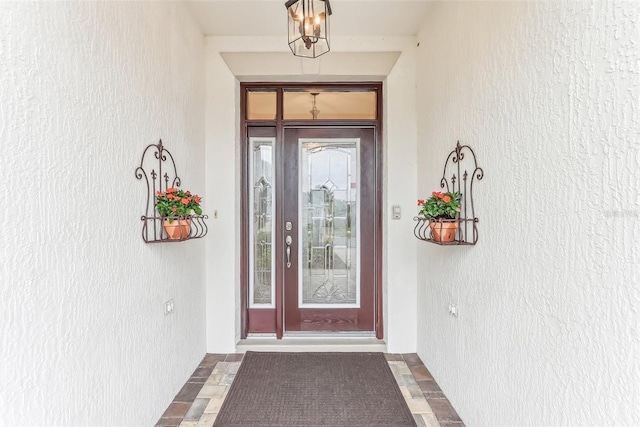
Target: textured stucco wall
[548,95]
[223,166]
[84,87]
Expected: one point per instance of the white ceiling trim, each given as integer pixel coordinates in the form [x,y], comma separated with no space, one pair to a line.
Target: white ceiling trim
[334,66]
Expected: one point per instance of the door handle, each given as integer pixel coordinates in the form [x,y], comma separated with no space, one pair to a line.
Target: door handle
[288,241]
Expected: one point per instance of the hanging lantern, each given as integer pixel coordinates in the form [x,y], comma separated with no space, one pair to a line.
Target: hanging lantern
[308,22]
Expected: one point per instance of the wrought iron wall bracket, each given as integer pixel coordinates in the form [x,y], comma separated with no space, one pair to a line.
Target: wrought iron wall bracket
[159,161]
[456,178]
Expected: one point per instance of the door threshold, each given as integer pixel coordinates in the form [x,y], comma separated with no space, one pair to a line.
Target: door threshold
[337,335]
[299,344]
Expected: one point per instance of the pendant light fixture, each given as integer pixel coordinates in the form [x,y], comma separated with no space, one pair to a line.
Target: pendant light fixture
[314,111]
[308,22]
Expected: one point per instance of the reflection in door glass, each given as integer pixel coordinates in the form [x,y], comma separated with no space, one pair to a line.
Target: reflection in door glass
[261,105]
[322,104]
[262,281]
[329,223]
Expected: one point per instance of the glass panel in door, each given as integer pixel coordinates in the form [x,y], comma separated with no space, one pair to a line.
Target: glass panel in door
[261,226]
[328,223]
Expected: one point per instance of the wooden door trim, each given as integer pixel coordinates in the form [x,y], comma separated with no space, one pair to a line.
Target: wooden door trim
[379,228]
[279,239]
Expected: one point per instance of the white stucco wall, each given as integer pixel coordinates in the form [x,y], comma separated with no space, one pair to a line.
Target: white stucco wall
[400,171]
[223,185]
[84,88]
[222,159]
[547,93]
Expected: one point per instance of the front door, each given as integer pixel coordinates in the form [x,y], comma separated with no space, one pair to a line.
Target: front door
[311,225]
[329,214]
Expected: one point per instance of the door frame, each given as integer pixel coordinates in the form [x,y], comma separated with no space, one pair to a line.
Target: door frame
[279,124]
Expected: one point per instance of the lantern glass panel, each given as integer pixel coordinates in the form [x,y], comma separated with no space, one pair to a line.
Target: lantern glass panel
[308,28]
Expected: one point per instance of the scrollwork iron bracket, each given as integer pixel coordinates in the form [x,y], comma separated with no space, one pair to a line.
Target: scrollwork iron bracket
[162,174]
[460,173]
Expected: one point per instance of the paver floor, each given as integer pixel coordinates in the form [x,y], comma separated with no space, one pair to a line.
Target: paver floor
[198,402]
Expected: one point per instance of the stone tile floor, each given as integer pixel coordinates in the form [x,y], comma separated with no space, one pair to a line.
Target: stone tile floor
[198,402]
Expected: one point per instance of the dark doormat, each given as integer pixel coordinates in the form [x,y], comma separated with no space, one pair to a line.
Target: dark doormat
[314,389]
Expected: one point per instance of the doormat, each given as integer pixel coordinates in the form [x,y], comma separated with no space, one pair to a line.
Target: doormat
[314,389]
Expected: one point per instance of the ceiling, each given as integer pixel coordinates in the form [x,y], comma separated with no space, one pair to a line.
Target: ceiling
[349,18]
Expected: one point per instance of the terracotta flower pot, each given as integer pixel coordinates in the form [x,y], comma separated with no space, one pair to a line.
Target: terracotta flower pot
[444,230]
[178,229]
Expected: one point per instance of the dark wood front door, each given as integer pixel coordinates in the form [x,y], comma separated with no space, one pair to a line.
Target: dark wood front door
[329,229]
[311,225]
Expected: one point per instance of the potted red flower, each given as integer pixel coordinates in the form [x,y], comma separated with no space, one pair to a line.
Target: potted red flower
[177,205]
[442,210]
